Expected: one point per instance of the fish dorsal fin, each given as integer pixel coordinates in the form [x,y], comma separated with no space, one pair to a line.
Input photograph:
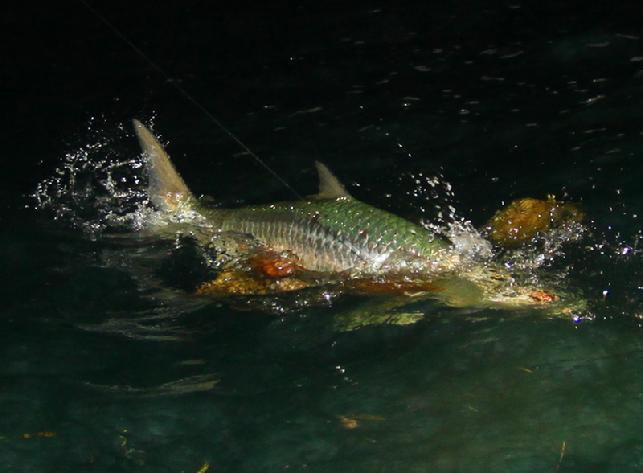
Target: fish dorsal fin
[329,186]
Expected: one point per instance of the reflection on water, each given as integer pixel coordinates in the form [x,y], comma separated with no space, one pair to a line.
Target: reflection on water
[192,384]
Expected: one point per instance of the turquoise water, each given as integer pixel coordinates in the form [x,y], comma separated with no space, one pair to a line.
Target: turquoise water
[111,364]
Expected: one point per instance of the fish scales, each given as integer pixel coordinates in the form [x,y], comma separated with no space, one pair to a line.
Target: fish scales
[333,235]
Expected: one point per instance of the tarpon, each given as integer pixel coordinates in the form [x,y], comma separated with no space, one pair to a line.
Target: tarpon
[330,231]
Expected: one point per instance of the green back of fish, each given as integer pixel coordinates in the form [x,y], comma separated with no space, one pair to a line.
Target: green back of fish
[333,234]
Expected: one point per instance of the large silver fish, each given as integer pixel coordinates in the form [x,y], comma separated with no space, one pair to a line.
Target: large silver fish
[331,231]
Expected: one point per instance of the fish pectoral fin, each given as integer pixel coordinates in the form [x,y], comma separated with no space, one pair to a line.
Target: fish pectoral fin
[166,188]
[329,185]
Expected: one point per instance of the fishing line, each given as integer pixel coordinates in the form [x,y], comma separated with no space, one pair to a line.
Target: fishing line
[187,95]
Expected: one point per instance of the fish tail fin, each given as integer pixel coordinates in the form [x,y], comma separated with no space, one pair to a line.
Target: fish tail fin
[166,188]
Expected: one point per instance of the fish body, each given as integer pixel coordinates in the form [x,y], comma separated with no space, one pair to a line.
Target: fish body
[340,234]
[332,231]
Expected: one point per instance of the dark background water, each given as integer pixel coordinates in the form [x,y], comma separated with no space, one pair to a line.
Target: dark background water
[504,100]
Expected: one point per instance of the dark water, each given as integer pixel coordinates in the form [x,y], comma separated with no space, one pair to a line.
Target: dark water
[110,363]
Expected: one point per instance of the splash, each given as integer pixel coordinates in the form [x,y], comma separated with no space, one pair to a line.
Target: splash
[547,260]
[434,198]
[100,185]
